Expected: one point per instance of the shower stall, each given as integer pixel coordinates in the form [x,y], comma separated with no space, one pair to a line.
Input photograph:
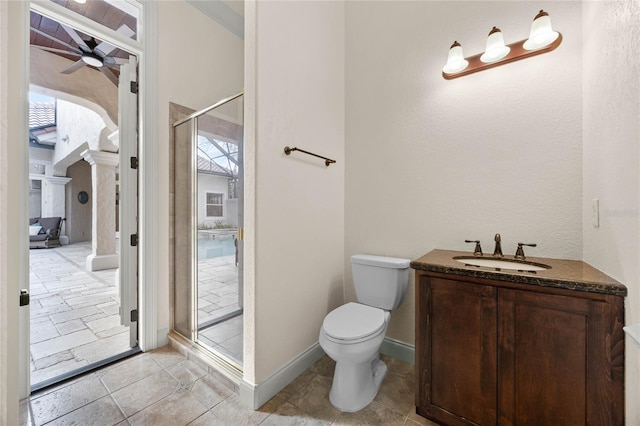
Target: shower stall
[207,212]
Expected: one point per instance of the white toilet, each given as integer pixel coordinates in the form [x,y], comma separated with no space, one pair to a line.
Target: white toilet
[353,333]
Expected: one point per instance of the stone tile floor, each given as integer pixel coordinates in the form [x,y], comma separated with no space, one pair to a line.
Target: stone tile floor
[163,387]
[74,313]
[218,295]
[217,287]
[225,338]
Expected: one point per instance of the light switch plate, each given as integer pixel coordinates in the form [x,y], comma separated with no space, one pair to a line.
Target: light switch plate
[595,212]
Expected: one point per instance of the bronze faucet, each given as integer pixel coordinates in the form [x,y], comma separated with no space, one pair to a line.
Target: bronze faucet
[520,251]
[497,252]
[478,250]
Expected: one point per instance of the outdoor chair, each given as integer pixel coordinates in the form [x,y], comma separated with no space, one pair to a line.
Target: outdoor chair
[44,232]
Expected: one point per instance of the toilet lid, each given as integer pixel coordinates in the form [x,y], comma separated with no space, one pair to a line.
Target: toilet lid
[353,321]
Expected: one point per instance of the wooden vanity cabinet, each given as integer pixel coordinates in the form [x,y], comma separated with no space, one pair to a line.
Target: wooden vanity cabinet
[500,353]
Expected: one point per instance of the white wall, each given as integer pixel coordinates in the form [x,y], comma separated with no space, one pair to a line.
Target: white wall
[14,272]
[296,51]
[82,127]
[432,162]
[211,183]
[611,126]
[195,81]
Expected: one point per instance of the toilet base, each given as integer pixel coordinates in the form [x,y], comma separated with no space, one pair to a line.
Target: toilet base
[356,385]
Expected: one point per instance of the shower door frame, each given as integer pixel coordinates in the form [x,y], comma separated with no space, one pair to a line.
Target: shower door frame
[193,226]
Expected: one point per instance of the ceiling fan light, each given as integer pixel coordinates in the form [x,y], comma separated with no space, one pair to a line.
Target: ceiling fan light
[92,60]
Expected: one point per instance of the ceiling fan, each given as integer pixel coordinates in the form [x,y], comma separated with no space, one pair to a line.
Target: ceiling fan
[90,51]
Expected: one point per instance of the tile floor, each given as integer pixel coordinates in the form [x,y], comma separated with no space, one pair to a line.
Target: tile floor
[217,287]
[218,295]
[74,313]
[225,338]
[163,387]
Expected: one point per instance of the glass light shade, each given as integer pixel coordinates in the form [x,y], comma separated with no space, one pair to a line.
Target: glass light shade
[495,49]
[455,62]
[542,33]
[92,60]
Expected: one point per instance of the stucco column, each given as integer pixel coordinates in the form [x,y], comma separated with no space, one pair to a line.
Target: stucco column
[53,196]
[103,210]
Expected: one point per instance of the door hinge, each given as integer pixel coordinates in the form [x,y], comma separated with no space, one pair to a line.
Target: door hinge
[134,87]
[24,297]
[134,315]
[134,162]
[134,240]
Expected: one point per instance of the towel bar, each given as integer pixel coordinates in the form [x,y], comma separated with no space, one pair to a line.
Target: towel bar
[327,161]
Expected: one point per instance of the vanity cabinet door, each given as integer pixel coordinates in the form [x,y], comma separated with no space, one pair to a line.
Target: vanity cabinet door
[555,360]
[456,351]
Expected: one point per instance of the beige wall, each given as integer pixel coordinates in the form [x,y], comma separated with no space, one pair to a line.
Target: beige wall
[78,224]
[199,63]
[297,69]
[432,162]
[611,126]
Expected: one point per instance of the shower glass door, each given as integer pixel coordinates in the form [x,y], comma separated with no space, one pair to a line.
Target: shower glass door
[208,234]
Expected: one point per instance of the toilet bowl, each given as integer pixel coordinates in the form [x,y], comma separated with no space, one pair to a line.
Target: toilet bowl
[354,344]
[352,334]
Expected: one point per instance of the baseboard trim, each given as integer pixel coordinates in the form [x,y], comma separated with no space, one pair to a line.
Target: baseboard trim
[255,396]
[399,350]
[162,338]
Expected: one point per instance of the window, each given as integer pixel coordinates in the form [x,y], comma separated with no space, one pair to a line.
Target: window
[214,204]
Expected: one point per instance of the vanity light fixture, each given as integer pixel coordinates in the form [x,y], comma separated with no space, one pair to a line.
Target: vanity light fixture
[495,49]
[455,61]
[542,39]
[541,34]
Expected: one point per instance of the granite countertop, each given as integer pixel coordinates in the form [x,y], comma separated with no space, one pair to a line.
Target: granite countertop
[565,274]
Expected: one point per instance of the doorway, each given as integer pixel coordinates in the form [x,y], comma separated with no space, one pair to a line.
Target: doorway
[83,285]
[208,228]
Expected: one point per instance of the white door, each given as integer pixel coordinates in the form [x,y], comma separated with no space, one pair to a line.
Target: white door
[128,152]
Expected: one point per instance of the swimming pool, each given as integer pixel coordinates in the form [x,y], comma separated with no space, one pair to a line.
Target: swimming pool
[209,248]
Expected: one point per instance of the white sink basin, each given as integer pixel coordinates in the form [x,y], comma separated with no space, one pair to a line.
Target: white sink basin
[499,264]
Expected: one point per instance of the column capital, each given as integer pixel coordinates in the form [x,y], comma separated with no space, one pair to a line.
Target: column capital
[58,180]
[100,157]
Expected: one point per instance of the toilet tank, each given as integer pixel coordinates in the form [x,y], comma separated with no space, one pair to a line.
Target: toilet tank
[380,281]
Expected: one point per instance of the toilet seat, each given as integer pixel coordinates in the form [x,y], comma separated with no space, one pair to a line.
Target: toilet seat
[353,322]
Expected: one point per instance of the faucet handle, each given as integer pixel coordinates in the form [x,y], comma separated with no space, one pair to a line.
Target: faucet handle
[520,251]
[477,251]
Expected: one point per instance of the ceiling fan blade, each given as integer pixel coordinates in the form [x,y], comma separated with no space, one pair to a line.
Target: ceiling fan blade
[51,49]
[52,38]
[106,48]
[74,35]
[110,75]
[76,66]
[120,61]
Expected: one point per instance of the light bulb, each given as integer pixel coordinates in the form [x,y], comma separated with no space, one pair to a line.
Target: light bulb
[495,49]
[455,61]
[542,33]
